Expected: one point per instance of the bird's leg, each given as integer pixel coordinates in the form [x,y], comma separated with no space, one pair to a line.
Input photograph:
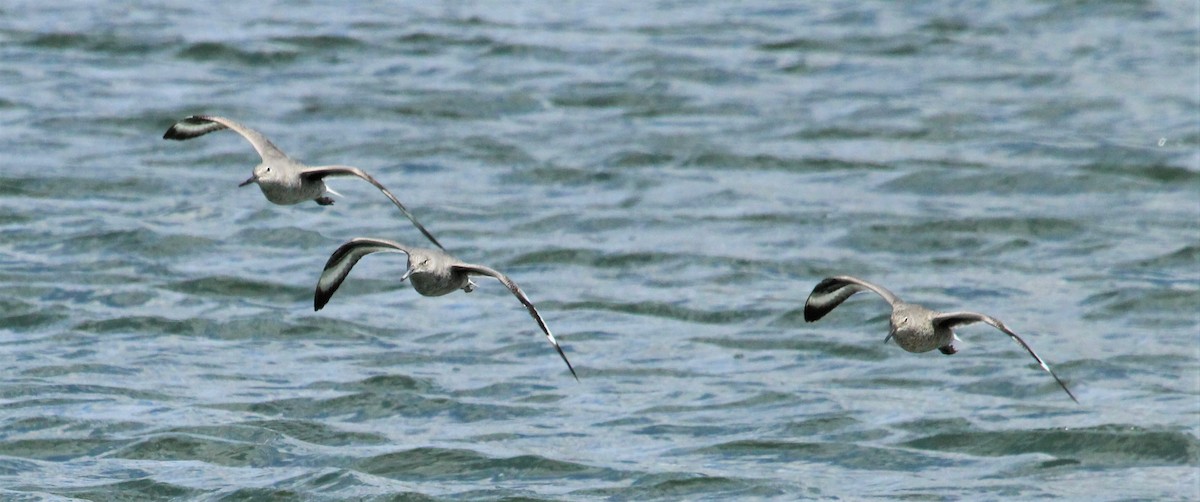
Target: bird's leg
[324,201]
[469,287]
[949,348]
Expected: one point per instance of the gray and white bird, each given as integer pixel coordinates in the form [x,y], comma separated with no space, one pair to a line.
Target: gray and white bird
[914,327]
[283,180]
[431,272]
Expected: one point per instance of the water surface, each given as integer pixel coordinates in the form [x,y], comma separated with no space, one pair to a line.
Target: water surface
[667,182]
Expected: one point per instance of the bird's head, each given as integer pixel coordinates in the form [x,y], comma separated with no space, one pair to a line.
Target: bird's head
[262,172]
[418,262]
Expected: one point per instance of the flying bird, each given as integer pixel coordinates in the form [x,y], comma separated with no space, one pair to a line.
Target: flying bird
[431,272]
[284,180]
[914,327]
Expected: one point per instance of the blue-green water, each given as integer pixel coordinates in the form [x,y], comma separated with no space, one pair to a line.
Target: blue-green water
[667,181]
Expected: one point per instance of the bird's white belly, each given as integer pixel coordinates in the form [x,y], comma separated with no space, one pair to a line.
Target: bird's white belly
[285,194]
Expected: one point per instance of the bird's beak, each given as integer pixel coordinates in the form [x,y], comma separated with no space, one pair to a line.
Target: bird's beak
[248,181]
[406,274]
[890,335]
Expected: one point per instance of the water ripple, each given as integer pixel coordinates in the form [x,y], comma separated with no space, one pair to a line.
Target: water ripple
[1105,445]
[667,181]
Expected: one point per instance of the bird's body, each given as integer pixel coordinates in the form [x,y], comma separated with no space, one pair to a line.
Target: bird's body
[281,183]
[432,273]
[914,331]
[438,276]
[914,327]
[282,179]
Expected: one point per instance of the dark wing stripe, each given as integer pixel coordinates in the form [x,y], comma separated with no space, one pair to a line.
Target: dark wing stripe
[952,319]
[199,125]
[832,291]
[316,173]
[516,291]
[192,127]
[342,261]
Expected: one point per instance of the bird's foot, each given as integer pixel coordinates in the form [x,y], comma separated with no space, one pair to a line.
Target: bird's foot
[324,201]
[469,287]
[948,349]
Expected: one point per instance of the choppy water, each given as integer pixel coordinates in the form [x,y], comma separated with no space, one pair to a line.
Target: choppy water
[667,182]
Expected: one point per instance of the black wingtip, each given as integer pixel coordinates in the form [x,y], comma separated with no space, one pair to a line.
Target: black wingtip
[424,232]
[1064,387]
[812,314]
[174,132]
[1068,391]
[563,355]
[319,300]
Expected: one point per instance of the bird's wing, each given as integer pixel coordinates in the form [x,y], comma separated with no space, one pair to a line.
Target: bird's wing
[343,259]
[832,291]
[516,291]
[199,125]
[951,319]
[316,173]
